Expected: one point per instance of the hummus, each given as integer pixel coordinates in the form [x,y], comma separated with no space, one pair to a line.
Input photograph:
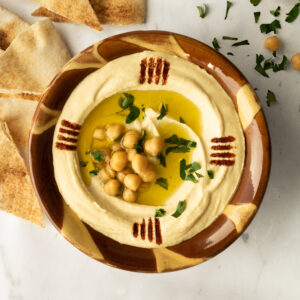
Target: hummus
[199,110]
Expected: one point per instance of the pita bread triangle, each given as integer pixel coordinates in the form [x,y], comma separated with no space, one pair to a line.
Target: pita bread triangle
[10,26]
[16,191]
[77,11]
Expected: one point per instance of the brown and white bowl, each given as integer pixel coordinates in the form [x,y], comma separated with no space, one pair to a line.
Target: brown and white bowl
[237,214]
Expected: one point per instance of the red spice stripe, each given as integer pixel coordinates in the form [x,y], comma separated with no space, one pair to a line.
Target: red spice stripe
[224,139]
[222,162]
[223,154]
[158,70]
[150,230]
[68,124]
[135,230]
[221,147]
[62,146]
[143,229]
[143,70]
[66,139]
[151,67]
[70,132]
[166,72]
[158,232]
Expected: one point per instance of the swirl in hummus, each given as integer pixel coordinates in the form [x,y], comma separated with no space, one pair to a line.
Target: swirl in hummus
[203,148]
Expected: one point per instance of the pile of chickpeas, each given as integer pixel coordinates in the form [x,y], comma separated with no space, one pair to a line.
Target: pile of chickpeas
[123,169]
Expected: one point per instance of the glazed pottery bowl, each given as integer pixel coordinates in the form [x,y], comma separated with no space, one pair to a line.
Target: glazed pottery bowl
[237,214]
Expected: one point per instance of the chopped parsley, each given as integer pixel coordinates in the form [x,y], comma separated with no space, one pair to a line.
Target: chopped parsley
[163,111]
[293,13]
[216,44]
[202,10]
[159,213]
[230,53]
[229,38]
[139,147]
[97,155]
[181,120]
[119,138]
[275,12]
[83,163]
[210,174]
[162,159]
[271,98]
[182,145]
[269,64]
[228,5]
[256,16]
[120,189]
[188,172]
[267,28]
[180,209]
[241,43]
[94,172]
[163,182]
[274,53]
[133,114]
[255,2]
[259,68]
[126,101]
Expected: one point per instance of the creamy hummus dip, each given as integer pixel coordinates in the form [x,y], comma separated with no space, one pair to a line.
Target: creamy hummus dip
[198,110]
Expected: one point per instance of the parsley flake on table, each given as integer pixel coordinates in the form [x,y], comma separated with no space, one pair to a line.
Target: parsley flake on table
[271,98]
[180,209]
[256,16]
[230,53]
[163,111]
[160,212]
[202,11]
[228,5]
[267,28]
[293,13]
[241,43]
[163,182]
[216,44]
[255,2]
[229,38]
[275,12]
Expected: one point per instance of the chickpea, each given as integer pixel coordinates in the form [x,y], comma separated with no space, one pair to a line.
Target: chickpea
[114,131]
[130,138]
[111,172]
[99,134]
[129,195]
[131,154]
[132,181]
[112,187]
[121,175]
[154,146]
[104,175]
[272,43]
[296,61]
[116,147]
[149,174]
[118,160]
[139,163]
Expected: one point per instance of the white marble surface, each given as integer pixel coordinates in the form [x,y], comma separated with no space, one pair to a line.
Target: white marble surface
[263,264]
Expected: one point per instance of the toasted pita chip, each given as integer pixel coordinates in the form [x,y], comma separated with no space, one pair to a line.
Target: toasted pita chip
[44,12]
[16,191]
[33,59]
[18,115]
[77,11]
[10,26]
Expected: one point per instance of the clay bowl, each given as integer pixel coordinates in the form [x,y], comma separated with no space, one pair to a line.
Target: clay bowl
[238,213]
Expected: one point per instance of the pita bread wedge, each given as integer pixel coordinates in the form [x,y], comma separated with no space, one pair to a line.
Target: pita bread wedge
[10,26]
[77,11]
[44,12]
[32,60]
[16,191]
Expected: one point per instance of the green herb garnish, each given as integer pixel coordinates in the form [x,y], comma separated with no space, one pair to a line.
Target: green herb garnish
[281,66]
[210,174]
[182,145]
[163,182]
[126,101]
[229,38]
[97,155]
[162,159]
[186,171]
[119,138]
[293,13]
[266,28]
[180,209]
[256,16]
[134,114]
[139,147]
[159,213]
[271,98]
[202,10]
[269,64]
[241,43]
[94,172]
[274,53]
[275,12]
[83,163]
[255,2]
[259,68]
[228,5]
[163,111]
[215,44]
[120,189]
[230,53]
[181,120]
